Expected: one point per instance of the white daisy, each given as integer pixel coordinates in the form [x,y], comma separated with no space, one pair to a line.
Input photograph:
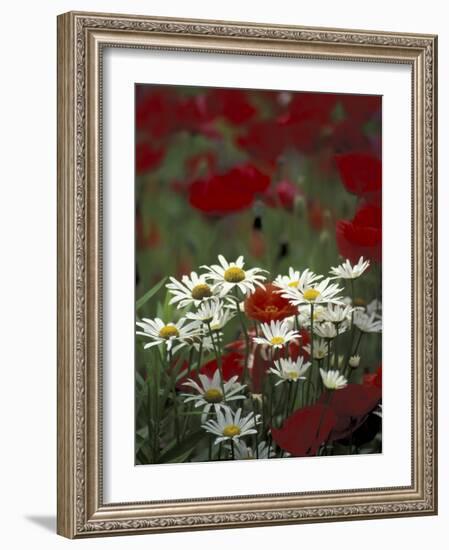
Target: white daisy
[207,311]
[192,289]
[231,426]
[348,271]
[168,333]
[375,307]
[320,348]
[336,313]
[288,370]
[221,318]
[327,330]
[295,278]
[333,380]
[354,361]
[304,316]
[210,392]
[243,452]
[323,292]
[367,323]
[230,275]
[205,342]
[276,334]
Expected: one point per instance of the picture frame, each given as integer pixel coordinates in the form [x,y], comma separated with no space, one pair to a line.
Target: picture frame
[82,41]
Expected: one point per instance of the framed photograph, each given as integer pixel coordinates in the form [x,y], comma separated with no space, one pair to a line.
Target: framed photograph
[246,274]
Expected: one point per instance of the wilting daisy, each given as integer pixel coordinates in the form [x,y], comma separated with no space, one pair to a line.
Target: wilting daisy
[276,334]
[295,278]
[192,289]
[210,392]
[288,370]
[348,271]
[320,349]
[327,330]
[323,292]
[230,275]
[232,426]
[243,452]
[168,333]
[207,311]
[336,313]
[367,323]
[333,380]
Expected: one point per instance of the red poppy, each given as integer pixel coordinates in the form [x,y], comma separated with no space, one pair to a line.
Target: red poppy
[266,304]
[305,430]
[373,378]
[306,120]
[230,192]
[154,113]
[232,365]
[351,405]
[309,107]
[264,140]
[148,157]
[362,236]
[283,194]
[361,108]
[348,135]
[233,105]
[361,173]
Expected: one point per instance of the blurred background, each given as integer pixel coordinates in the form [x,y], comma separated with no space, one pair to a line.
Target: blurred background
[284,178]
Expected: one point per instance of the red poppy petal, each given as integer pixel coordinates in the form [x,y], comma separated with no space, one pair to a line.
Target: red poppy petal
[305,430]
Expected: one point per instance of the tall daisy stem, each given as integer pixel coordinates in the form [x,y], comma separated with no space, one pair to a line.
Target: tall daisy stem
[311,350]
[219,363]
[245,335]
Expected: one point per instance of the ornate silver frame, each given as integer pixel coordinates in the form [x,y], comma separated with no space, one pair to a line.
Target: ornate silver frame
[81,39]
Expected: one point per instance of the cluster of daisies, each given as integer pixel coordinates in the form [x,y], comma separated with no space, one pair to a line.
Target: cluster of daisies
[230,411]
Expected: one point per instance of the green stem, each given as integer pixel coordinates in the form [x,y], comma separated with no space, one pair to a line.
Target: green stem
[337,326]
[289,393]
[232,449]
[219,363]
[311,351]
[256,435]
[245,335]
[200,355]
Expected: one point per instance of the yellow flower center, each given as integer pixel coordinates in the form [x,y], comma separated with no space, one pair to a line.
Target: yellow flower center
[271,309]
[231,430]
[213,395]
[201,291]
[234,275]
[168,331]
[293,284]
[277,340]
[311,294]
[292,375]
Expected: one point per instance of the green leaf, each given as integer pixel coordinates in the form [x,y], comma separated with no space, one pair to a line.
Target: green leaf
[182,451]
[144,299]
